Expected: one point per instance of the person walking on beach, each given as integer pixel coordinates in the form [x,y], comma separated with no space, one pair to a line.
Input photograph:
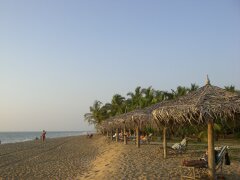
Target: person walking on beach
[43,135]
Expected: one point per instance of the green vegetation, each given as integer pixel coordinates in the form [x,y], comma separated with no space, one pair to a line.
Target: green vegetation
[145,97]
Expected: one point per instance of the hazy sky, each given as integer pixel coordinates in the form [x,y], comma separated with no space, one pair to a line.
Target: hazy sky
[57,57]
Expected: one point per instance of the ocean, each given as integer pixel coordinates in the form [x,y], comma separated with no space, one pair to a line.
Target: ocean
[13,137]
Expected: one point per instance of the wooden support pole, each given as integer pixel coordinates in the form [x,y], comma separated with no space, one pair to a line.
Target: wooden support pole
[125,135]
[211,155]
[117,135]
[137,137]
[164,143]
[111,134]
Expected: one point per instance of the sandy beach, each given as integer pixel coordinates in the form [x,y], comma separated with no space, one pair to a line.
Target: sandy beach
[60,158]
[121,161]
[96,158]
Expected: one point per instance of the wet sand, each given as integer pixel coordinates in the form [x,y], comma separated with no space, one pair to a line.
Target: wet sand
[96,158]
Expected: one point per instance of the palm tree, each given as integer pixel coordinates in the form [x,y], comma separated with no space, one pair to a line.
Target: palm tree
[148,97]
[95,116]
[136,98]
[127,105]
[193,87]
[167,95]
[158,96]
[118,105]
[230,88]
[181,90]
[106,109]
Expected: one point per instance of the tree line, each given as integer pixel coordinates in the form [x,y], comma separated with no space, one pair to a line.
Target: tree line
[140,98]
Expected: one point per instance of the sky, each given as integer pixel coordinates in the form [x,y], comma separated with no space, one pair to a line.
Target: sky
[57,57]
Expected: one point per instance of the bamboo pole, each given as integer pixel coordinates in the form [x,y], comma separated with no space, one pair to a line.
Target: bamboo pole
[117,135]
[164,143]
[125,134]
[137,137]
[211,155]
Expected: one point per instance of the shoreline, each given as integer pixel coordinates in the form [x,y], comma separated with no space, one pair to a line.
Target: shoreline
[25,137]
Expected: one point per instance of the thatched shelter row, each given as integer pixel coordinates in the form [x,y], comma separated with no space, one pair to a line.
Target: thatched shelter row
[201,107]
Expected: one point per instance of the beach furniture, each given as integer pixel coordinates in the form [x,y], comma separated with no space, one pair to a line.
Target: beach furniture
[132,139]
[178,148]
[146,139]
[195,169]
[150,137]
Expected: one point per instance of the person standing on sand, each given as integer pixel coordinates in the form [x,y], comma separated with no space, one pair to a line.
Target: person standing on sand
[43,135]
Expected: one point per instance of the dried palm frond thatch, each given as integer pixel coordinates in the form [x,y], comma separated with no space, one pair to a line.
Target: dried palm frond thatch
[197,107]
[202,106]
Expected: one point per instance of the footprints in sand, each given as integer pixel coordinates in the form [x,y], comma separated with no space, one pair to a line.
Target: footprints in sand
[104,163]
[118,161]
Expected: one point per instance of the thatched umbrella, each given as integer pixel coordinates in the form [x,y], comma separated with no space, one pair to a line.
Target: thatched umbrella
[133,120]
[138,119]
[107,125]
[120,121]
[204,105]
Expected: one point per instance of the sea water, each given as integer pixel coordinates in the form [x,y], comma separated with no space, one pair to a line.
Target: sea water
[12,137]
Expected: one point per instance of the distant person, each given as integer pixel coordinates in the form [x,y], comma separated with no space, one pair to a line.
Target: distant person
[43,135]
[87,135]
[203,162]
[91,135]
[205,156]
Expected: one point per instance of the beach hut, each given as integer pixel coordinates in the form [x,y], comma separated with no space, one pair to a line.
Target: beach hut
[114,124]
[107,126]
[139,119]
[199,107]
[120,122]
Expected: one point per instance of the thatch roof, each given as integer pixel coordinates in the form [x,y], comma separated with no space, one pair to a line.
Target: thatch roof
[207,103]
[130,119]
[108,124]
[197,107]
[141,117]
